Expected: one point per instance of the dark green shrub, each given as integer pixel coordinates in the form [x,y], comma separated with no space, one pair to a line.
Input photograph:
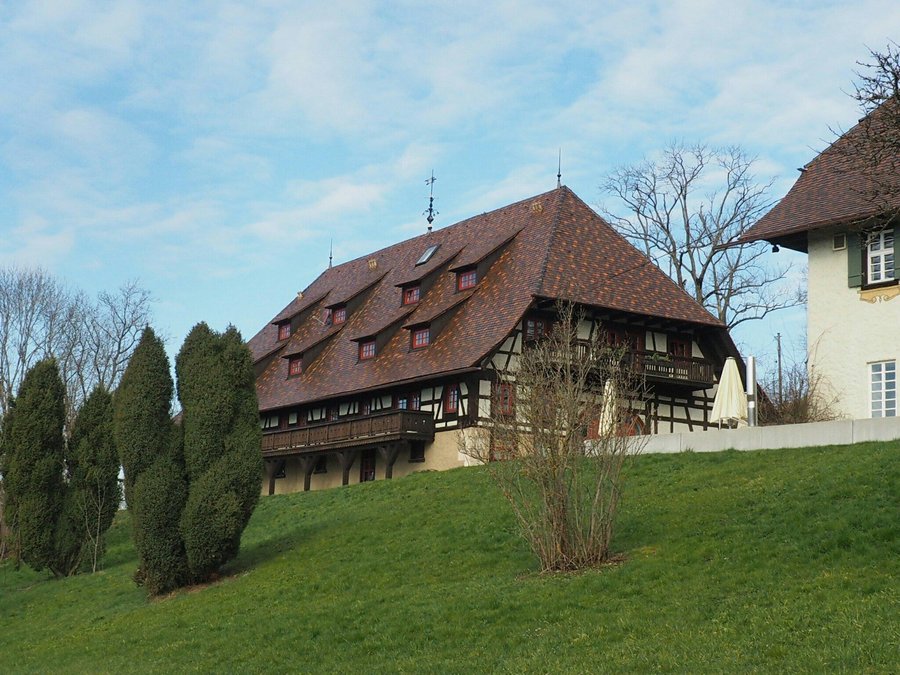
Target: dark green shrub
[149,447]
[220,423]
[94,482]
[34,465]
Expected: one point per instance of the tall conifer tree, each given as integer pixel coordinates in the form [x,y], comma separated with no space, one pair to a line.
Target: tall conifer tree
[155,484]
[221,445]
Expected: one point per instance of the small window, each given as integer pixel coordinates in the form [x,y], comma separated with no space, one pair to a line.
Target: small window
[367,350]
[333,414]
[401,402]
[535,329]
[410,295]
[421,337]
[321,464]
[880,257]
[506,398]
[415,401]
[679,347]
[284,330]
[269,422]
[417,452]
[326,317]
[293,418]
[365,407]
[883,386]
[839,243]
[295,365]
[451,399]
[427,255]
[466,279]
[339,315]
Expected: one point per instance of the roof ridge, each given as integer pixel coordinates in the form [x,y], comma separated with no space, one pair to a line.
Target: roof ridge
[554,229]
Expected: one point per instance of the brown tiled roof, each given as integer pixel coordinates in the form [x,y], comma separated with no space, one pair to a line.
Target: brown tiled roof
[552,245]
[833,188]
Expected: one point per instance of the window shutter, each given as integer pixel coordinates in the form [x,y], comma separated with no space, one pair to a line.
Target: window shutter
[854,260]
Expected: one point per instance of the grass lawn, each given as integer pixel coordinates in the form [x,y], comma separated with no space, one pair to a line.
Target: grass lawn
[784,560]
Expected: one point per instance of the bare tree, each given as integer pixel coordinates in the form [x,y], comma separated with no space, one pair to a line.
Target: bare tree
[797,393]
[875,149]
[562,428]
[90,339]
[686,211]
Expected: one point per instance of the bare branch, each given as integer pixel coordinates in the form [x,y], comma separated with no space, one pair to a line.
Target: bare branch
[711,198]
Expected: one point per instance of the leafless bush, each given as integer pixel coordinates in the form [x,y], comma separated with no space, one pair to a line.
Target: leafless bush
[562,433]
[804,396]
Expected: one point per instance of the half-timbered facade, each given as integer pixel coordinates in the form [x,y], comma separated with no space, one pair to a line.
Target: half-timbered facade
[377,368]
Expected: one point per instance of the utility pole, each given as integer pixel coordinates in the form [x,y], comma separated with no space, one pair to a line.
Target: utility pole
[780,391]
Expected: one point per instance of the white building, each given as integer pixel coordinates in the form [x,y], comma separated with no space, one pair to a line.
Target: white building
[846,221]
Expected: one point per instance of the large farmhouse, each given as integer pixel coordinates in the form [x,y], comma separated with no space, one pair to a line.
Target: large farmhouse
[378,366]
[842,211]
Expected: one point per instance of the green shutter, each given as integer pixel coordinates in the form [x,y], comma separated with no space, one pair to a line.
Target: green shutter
[854,260]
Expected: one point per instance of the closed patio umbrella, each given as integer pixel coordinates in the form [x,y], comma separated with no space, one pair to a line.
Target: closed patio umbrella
[730,405]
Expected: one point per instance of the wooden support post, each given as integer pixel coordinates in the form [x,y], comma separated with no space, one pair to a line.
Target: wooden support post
[347,458]
[389,455]
[271,470]
[308,462]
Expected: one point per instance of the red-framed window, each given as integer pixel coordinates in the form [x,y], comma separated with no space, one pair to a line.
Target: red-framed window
[421,337]
[284,330]
[367,350]
[410,295]
[679,347]
[451,398]
[535,329]
[506,398]
[630,338]
[326,317]
[338,315]
[408,401]
[295,365]
[466,279]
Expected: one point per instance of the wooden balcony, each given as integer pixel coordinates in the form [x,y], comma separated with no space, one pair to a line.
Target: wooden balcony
[368,431]
[659,368]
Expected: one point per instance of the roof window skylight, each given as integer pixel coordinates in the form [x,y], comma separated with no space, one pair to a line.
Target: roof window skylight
[427,255]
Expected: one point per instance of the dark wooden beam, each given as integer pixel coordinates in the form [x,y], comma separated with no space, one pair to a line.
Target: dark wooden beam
[308,462]
[273,466]
[347,458]
[389,454]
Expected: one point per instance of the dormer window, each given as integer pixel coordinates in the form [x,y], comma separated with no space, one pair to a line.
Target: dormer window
[295,365]
[466,279]
[326,317]
[410,295]
[427,255]
[284,330]
[338,315]
[421,337]
[367,350]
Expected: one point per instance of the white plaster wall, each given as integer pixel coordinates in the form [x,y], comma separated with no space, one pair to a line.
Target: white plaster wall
[845,333]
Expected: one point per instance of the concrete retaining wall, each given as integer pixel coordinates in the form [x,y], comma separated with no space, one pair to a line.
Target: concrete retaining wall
[841,432]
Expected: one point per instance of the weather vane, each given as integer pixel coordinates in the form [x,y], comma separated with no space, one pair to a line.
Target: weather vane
[430,210]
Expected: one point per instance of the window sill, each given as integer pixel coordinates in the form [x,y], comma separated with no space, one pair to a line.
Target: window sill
[880,292]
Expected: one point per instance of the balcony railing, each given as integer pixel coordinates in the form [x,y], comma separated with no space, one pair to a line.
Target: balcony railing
[396,425]
[660,367]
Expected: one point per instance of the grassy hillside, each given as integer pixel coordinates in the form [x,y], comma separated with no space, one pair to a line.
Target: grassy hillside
[776,560]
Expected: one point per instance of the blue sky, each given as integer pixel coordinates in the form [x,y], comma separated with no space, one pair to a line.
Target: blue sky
[213,150]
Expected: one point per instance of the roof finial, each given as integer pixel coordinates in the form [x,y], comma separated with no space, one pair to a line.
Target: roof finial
[330,252]
[430,210]
[559,170]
